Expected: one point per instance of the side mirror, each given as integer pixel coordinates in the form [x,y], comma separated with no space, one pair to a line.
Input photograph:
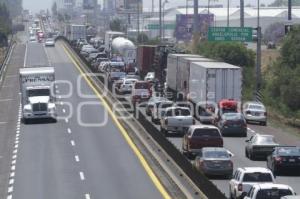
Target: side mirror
[243,195]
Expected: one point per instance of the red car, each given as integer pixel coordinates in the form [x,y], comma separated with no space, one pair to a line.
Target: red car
[141,92]
[199,136]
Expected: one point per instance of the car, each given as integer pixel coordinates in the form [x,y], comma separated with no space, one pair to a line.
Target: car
[260,145]
[233,124]
[126,86]
[50,42]
[199,136]
[32,38]
[103,66]
[150,104]
[214,161]
[255,112]
[150,77]
[159,108]
[269,191]
[271,45]
[244,178]
[141,92]
[284,158]
[175,120]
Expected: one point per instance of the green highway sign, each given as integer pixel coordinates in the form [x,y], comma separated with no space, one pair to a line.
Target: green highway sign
[230,34]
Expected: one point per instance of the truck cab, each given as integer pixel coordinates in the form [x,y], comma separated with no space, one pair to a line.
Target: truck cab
[37,93]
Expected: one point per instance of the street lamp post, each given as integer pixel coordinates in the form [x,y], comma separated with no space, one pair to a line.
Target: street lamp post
[160,21]
[227,13]
[163,18]
[258,56]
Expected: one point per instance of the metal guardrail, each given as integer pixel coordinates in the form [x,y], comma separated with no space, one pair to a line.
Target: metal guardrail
[6,58]
[200,180]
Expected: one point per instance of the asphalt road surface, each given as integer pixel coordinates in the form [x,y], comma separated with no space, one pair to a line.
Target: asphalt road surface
[75,157]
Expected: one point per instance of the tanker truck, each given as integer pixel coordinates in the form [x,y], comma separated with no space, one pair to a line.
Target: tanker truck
[124,48]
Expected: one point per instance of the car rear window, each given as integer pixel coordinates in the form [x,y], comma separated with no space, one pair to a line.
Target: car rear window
[289,151]
[233,116]
[216,154]
[257,107]
[257,177]
[206,132]
[140,85]
[265,140]
[178,112]
[273,193]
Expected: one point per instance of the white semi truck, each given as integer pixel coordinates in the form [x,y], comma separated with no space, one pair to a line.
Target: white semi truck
[74,32]
[109,36]
[38,93]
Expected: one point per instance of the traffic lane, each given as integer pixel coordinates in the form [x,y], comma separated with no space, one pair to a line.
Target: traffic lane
[236,145]
[282,135]
[46,167]
[9,105]
[36,55]
[106,158]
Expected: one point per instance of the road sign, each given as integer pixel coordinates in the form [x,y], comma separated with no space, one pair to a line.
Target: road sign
[230,34]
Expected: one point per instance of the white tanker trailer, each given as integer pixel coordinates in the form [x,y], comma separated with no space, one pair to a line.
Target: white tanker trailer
[124,48]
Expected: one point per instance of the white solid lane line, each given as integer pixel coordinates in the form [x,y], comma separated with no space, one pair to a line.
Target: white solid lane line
[81,174]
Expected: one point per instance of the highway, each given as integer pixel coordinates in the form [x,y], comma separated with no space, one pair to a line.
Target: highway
[236,146]
[75,157]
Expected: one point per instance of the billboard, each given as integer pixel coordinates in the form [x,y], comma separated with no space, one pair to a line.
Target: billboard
[129,5]
[185,23]
[89,4]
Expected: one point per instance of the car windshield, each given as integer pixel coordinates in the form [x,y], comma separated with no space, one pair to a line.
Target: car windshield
[257,177]
[257,107]
[178,112]
[38,92]
[215,154]
[273,193]
[289,151]
[200,132]
[164,105]
[141,86]
[265,140]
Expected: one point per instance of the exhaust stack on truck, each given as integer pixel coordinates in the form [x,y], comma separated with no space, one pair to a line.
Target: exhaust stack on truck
[37,93]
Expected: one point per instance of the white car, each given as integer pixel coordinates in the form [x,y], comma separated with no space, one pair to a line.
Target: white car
[150,77]
[269,191]
[127,85]
[244,178]
[32,38]
[255,112]
[50,42]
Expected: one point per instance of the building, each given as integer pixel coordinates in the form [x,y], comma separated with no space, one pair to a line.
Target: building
[268,16]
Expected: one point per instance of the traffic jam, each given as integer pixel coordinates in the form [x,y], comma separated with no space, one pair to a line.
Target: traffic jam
[195,104]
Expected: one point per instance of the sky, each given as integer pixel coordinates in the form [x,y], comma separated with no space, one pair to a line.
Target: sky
[36,5]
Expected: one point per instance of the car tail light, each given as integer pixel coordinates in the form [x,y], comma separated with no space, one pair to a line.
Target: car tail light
[278,159]
[240,187]
[230,164]
[194,121]
[166,122]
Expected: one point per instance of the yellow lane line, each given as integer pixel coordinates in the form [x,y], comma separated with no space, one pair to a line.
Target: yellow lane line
[136,151]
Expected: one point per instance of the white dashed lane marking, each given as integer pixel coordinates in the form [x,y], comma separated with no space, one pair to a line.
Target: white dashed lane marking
[81,174]
[77,158]
[72,142]
[87,196]
[69,131]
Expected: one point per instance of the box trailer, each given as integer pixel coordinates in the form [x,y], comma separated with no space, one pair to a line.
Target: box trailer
[74,32]
[173,69]
[211,82]
[145,58]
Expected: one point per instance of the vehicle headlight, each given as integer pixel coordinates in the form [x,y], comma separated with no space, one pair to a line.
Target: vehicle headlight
[27,108]
[51,107]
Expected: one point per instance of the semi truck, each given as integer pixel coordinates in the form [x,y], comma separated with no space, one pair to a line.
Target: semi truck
[109,36]
[124,48]
[145,58]
[73,32]
[211,82]
[38,93]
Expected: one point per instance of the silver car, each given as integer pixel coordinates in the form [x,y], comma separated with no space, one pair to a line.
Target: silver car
[255,112]
[215,161]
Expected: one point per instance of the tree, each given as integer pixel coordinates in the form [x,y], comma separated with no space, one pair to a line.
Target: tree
[54,9]
[14,7]
[115,25]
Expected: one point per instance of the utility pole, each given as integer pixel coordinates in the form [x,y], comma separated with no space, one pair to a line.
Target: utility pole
[258,53]
[227,13]
[242,10]
[160,22]
[290,10]
[195,27]
[138,19]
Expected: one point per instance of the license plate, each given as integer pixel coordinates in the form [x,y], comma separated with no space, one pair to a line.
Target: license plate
[291,160]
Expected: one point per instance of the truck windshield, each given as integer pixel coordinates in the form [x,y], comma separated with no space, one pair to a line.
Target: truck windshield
[38,92]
